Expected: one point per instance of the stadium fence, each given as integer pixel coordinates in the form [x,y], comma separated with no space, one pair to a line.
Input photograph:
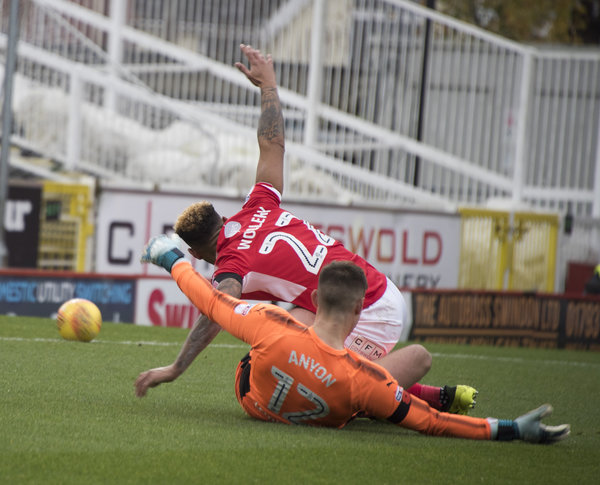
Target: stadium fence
[386,103]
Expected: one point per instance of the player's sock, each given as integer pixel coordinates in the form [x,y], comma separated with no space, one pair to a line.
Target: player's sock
[432,395]
[447,394]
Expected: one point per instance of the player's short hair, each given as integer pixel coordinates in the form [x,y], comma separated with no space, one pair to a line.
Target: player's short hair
[196,224]
[341,285]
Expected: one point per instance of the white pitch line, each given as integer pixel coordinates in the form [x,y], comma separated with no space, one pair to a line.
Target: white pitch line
[120,342]
[517,360]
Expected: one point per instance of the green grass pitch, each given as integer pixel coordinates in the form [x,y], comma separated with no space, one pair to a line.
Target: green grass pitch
[68,415]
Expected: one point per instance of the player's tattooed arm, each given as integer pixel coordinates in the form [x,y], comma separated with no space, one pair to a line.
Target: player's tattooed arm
[231,286]
[270,123]
[204,330]
[270,133]
[271,139]
[202,334]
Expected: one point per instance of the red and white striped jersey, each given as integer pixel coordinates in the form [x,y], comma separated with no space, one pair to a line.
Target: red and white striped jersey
[278,256]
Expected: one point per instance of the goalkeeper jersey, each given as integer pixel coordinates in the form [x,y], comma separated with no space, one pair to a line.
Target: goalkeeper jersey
[295,376]
[278,256]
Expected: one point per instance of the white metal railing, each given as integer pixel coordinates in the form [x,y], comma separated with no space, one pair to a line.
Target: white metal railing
[393,103]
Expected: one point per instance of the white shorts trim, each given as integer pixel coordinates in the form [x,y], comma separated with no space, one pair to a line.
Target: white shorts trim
[380,325]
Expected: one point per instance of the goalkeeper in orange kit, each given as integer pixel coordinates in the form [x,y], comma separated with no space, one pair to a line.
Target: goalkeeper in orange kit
[304,375]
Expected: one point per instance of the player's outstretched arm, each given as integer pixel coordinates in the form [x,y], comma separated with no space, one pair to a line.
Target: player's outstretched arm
[202,334]
[271,136]
[162,251]
[417,415]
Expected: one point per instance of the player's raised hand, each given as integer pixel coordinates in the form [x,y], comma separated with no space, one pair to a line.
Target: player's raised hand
[261,72]
[161,251]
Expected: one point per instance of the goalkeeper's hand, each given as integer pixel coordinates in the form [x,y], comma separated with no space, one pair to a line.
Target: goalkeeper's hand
[161,251]
[531,428]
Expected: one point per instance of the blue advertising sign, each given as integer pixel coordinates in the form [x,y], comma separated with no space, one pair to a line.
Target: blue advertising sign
[41,296]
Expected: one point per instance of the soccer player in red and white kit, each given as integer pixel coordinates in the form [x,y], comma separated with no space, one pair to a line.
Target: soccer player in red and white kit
[296,374]
[266,253]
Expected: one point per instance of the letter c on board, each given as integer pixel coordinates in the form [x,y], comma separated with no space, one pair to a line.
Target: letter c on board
[113,228]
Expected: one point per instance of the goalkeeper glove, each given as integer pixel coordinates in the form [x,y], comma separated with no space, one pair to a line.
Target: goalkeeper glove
[161,251]
[530,428]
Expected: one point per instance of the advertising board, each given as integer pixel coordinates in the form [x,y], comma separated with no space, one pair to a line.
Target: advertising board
[506,319]
[40,294]
[415,249]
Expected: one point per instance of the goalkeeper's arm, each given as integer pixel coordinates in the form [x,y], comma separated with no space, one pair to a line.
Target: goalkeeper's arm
[415,414]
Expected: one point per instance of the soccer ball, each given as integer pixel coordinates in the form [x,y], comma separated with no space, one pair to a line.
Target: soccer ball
[79,319]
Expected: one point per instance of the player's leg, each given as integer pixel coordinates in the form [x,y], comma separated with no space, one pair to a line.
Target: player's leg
[452,399]
[378,331]
[408,364]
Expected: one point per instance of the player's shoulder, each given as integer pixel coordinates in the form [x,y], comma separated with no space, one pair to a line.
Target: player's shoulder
[282,317]
[262,193]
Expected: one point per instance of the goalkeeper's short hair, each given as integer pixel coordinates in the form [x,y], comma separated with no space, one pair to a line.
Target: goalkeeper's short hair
[341,285]
[196,224]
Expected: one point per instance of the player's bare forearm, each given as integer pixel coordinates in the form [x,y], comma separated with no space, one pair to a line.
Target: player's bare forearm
[204,330]
[271,136]
[203,333]
[271,140]
[270,124]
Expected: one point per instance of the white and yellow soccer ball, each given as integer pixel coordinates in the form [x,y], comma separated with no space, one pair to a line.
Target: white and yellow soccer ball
[79,319]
